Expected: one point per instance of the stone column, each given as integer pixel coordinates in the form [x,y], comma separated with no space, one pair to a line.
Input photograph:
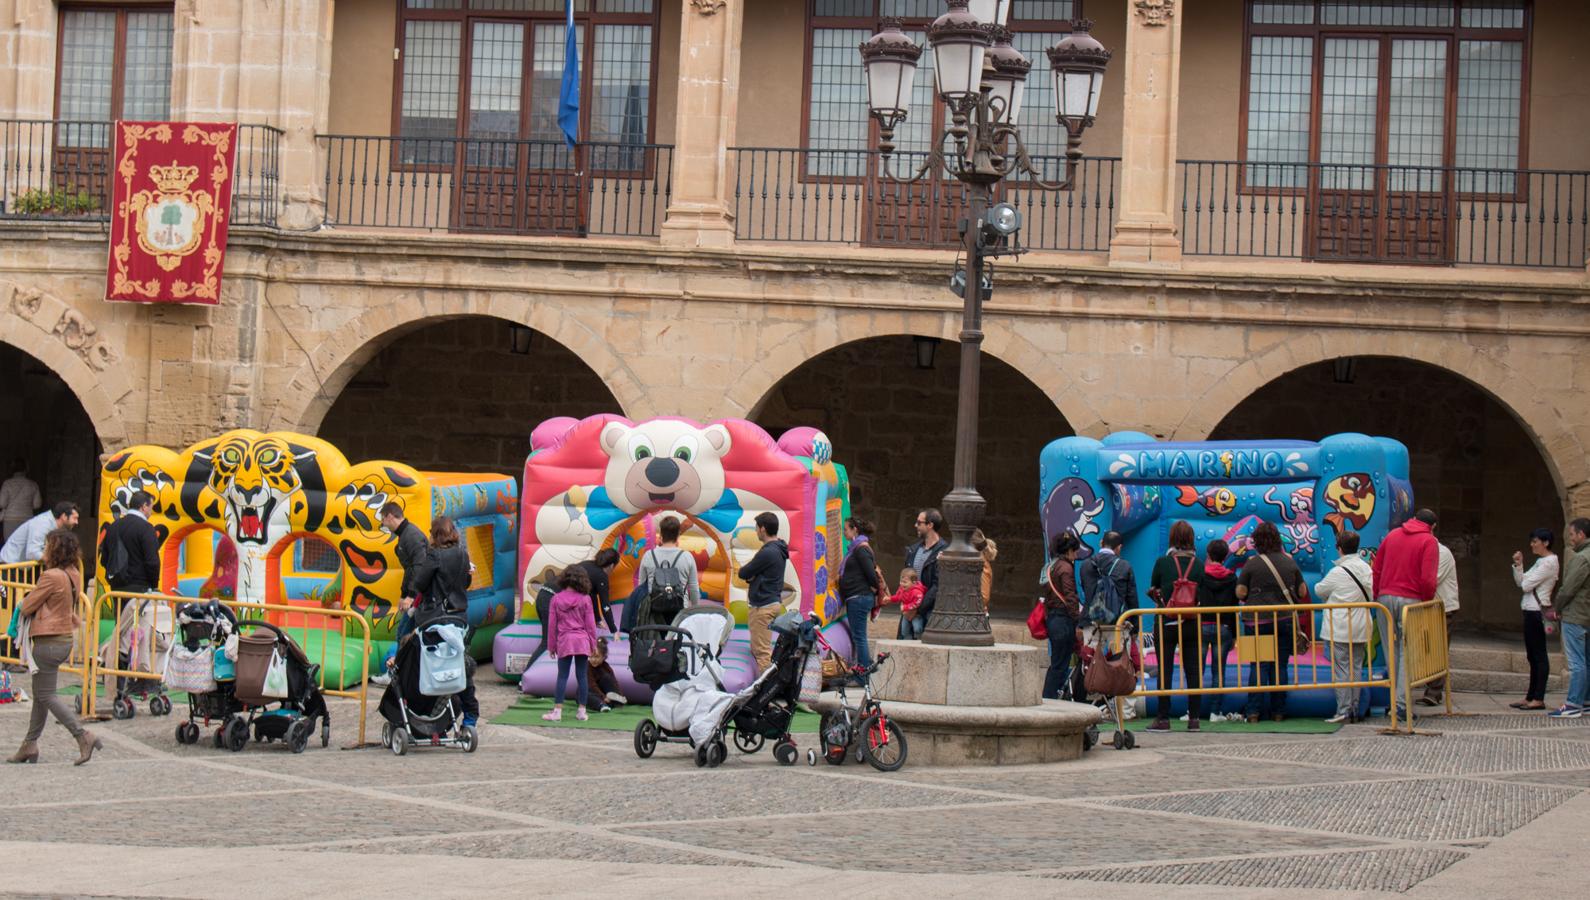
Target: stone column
[261,64]
[27,59]
[1146,229]
[701,213]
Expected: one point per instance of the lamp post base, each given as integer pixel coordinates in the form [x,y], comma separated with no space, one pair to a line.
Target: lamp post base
[958,618]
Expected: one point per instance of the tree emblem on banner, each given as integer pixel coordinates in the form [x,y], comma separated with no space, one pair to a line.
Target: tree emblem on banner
[171,197]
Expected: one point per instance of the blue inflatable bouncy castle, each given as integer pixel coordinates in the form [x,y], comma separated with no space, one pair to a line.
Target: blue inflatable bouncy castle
[1131,483]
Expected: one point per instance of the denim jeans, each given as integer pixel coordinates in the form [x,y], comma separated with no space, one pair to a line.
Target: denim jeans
[858,613]
[911,626]
[1218,641]
[1062,647]
[580,663]
[1271,703]
[1395,605]
[1576,647]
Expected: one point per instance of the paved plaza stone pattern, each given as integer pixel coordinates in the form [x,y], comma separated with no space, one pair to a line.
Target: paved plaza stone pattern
[1354,811]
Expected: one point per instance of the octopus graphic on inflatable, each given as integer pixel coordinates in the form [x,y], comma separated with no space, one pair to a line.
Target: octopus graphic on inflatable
[606,481]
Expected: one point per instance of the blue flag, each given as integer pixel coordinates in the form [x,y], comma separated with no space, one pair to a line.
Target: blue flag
[569,95]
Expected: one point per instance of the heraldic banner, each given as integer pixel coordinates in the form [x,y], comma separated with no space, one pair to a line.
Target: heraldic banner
[171,198]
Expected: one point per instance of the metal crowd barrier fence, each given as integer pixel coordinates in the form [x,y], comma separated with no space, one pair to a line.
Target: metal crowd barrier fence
[145,627]
[16,580]
[1425,652]
[1256,633]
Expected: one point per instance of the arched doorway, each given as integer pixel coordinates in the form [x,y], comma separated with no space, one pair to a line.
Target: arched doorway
[892,422]
[1471,460]
[43,424]
[461,395]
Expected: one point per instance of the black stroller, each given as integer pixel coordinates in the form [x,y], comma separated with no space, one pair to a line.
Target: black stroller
[290,718]
[764,710]
[416,711]
[205,628]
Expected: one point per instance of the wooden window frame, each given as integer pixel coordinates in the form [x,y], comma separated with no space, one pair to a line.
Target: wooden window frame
[1454,34]
[118,81]
[587,21]
[870,23]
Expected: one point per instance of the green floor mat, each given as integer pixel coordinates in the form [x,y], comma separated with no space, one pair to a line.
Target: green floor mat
[1289,726]
[527,711]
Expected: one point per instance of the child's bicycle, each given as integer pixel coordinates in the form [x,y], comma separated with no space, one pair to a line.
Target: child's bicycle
[876,737]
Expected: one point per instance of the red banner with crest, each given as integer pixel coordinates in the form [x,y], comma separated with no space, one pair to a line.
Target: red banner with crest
[171,202]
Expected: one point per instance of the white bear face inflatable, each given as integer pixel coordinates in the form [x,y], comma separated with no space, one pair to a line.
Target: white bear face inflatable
[664,463]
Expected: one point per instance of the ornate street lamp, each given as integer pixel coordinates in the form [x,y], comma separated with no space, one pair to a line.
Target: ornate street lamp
[980,78]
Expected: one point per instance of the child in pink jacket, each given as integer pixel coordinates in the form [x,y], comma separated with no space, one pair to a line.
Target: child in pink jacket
[571,636]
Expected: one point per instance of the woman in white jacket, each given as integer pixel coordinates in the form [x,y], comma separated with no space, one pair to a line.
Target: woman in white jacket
[1346,631]
[1537,583]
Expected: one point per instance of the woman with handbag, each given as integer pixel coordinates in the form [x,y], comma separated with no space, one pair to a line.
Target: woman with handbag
[1346,631]
[1062,611]
[49,614]
[1173,586]
[1537,584]
[442,583]
[1269,578]
[860,584]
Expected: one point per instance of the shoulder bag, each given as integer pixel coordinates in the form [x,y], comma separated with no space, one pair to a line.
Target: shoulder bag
[1302,641]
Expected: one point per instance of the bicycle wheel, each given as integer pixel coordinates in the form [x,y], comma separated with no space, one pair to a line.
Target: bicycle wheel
[882,743]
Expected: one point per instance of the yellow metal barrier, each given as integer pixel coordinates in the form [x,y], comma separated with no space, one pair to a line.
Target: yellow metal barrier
[139,619]
[16,580]
[1256,640]
[1425,651]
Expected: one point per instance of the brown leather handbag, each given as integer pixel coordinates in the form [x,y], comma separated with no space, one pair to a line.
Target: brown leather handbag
[1111,674]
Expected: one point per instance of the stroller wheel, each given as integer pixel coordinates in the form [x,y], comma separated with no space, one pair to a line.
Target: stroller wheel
[1090,738]
[325,732]
[811,757]
[1118,741]
[716,754]
[748,741]
[182,733]
[400,741]
[471,739]
[785,753]
[386,734]
[122,708]
[220,737]
[298,735]
[236,734]
[1131,741]
[645,738]
[193,732]
[155,706]
[701,756]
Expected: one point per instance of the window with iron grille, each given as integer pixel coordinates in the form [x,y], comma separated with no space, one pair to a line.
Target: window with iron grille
[1413,85]
[114,63]
[490,72]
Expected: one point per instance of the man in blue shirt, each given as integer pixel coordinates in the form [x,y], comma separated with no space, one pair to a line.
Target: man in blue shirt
[27,542]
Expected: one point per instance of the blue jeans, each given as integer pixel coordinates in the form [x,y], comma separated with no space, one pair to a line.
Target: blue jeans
[1218,641]
[1271,703]
[858,612]
[911,626]
[1576,647]
[1062,646]
[1395,605]
[581,670]
[405,627]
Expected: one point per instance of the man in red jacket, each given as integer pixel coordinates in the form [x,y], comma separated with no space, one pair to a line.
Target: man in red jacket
[1405,574]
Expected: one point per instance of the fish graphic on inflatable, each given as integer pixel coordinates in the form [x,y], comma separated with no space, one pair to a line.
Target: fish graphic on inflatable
[1217,500]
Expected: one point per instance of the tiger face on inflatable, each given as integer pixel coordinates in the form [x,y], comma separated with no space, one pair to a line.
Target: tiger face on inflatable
[255,479]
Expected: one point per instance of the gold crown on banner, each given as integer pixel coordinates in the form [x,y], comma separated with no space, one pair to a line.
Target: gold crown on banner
[173,179]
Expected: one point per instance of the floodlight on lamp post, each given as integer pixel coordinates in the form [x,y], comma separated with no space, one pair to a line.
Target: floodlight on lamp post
[980,77]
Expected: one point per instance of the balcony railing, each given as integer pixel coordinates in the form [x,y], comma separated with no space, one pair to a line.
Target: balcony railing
[497,186]
[1411,215]
[837,196]
[53,170]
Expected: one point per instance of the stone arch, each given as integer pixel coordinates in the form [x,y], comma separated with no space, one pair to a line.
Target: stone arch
[1003,339]
[1522,397]
[328,368]
[69,344]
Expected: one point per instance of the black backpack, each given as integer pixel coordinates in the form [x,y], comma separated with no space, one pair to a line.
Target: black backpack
[667,587]
[115,559]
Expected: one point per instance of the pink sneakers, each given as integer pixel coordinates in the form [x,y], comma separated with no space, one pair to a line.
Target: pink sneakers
[556,715]
[580,714]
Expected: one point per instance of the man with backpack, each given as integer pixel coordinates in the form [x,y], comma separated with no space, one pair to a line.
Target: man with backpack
[669,573]
[1109,586]
[764,580]
[130,549]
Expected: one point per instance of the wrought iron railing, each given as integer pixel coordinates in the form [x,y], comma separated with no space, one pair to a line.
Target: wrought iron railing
[55,170]
[497,186]
[837,196]
[1419,215]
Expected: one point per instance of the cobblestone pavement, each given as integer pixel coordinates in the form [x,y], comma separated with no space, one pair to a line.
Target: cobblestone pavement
[1489,804]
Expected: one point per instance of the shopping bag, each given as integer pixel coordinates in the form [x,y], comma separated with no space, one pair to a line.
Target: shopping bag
[811,679]
[191,670]
[276,677]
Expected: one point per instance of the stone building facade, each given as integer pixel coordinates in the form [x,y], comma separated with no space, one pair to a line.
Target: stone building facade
[396,338]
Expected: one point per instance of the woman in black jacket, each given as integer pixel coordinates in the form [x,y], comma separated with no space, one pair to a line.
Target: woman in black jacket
[1179,565]
[442,583]
[859,585]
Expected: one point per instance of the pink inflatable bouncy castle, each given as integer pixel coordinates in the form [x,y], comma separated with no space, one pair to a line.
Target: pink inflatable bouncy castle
[605,481]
